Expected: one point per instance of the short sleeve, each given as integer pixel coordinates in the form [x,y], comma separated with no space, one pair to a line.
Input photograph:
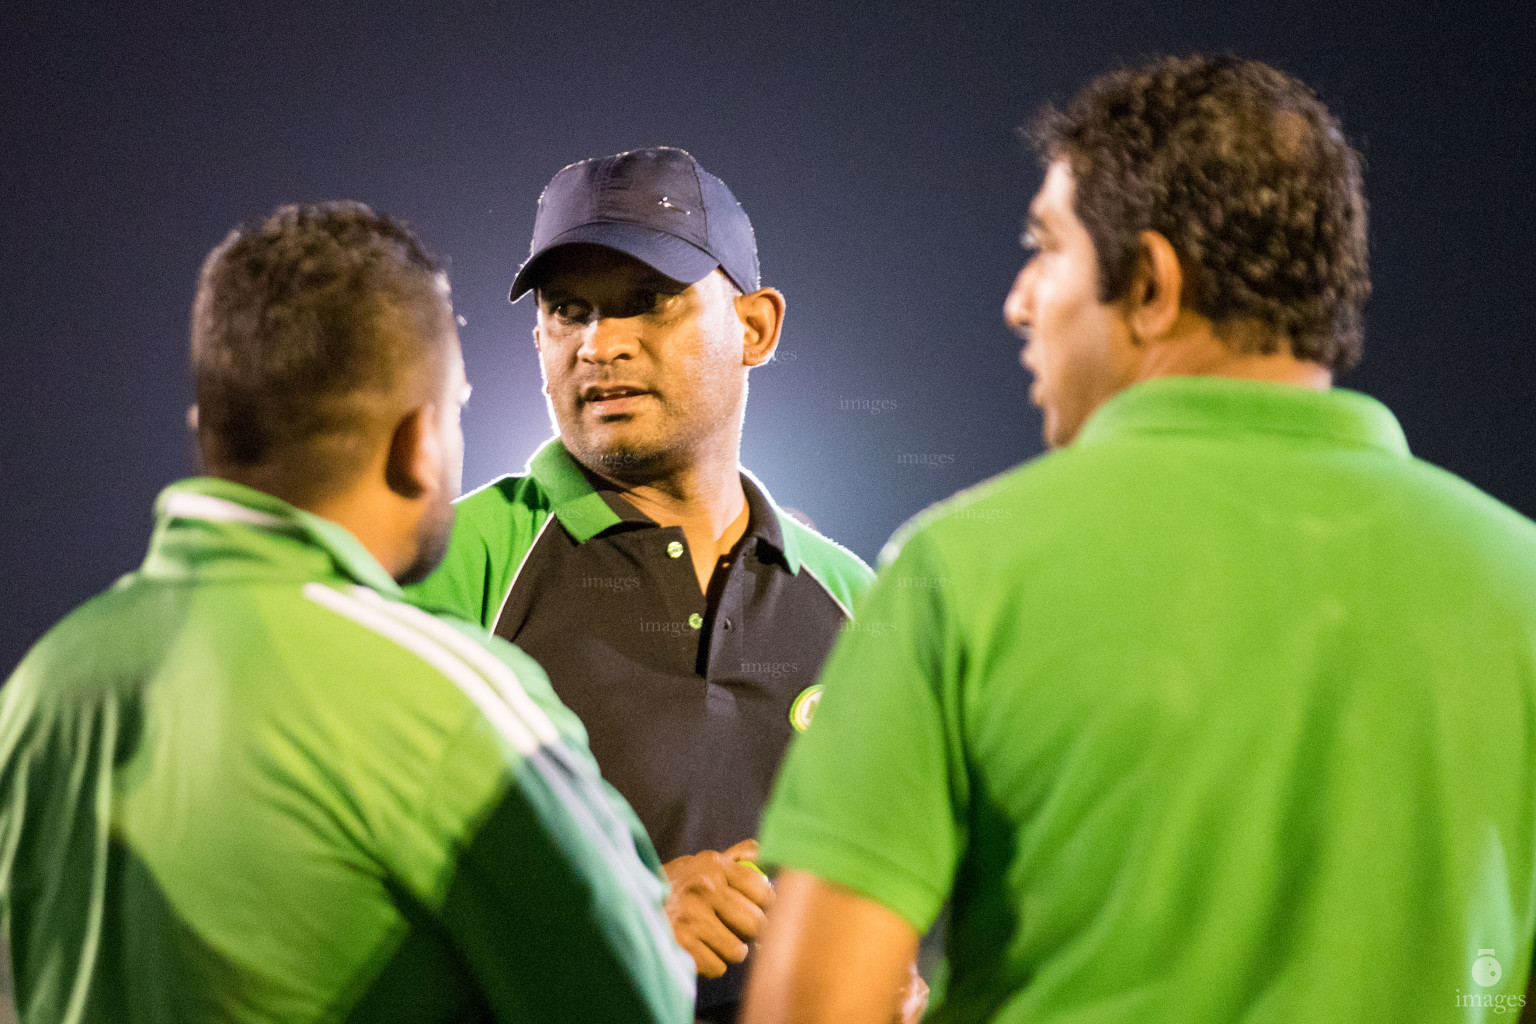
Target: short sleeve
[873,796]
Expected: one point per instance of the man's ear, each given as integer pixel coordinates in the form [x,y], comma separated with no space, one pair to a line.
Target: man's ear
[1156,293]
[415,460]
[762,315]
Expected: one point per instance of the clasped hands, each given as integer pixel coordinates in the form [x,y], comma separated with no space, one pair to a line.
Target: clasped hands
[719,903]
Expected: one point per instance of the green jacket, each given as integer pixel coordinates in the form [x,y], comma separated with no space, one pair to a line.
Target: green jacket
[249,783]
[499,523]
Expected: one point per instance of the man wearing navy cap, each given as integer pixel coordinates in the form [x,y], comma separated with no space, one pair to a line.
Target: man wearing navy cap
[690,674]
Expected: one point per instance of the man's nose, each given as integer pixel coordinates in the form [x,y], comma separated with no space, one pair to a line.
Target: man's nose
[1016,307]
[608,338]
[1017,313]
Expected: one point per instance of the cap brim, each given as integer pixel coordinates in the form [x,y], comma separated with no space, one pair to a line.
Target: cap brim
[666,254]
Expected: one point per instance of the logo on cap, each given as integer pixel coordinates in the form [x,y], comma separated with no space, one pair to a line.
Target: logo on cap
[628,201]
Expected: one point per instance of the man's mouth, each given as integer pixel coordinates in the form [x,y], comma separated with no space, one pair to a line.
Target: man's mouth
[613,399]
[1032,367]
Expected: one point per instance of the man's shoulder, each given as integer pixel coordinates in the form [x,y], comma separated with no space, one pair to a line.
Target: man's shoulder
[1080,498]
[403,670]
[552,477]
[142,616]
[509,500]
[980,514]
[1464,514]
[841,573]
[270,646]
[502,517]
[519,679]
[111,627]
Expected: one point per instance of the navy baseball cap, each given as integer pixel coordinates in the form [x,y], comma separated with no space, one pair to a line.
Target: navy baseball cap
[657,205]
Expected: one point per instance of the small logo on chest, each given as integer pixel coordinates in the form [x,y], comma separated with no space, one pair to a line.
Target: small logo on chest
[804,708]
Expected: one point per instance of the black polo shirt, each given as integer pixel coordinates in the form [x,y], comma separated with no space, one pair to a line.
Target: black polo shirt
[685,696]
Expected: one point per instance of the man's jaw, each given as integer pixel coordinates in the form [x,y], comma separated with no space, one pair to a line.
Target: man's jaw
[610,431]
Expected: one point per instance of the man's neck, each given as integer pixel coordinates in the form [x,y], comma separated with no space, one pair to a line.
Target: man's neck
[704,492]
[705,498]
[1205,354]
[383,522]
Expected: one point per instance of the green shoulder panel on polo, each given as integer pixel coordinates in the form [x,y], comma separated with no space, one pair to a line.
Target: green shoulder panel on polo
[498,524]
[840,572]
[1222,713]
[249,783]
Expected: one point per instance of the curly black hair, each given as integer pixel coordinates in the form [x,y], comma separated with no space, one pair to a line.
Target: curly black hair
[307,324]
[1249,177]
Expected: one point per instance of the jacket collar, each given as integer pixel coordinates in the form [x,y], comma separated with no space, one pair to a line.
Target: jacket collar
[207,520]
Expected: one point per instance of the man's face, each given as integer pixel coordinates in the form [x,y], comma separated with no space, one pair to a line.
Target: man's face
[1079,349]
[643,373]
[436,524]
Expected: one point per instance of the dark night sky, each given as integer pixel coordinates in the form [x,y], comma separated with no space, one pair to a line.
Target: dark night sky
[874,151]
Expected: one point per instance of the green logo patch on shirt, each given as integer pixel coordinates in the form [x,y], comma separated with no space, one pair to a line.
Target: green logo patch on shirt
[804,708]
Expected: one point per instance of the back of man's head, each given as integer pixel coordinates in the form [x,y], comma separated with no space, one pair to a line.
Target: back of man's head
[313,330]
[1250,179]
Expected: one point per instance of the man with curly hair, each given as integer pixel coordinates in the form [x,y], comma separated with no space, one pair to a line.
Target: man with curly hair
[1224,712]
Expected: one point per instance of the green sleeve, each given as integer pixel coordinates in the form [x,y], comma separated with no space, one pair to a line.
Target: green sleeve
[551,907]
[874,795]
[55,773]
[536,684]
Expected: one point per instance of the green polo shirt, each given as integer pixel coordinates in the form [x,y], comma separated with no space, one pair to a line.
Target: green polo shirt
[250,783]
[1226,712]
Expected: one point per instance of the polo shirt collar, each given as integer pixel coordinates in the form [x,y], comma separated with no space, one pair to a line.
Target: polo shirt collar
[572,498]
[234,511]
[585,513]
[762,514]
[1228,406]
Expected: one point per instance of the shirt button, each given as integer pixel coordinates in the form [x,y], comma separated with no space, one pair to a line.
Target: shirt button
[675,550]
[695,620]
